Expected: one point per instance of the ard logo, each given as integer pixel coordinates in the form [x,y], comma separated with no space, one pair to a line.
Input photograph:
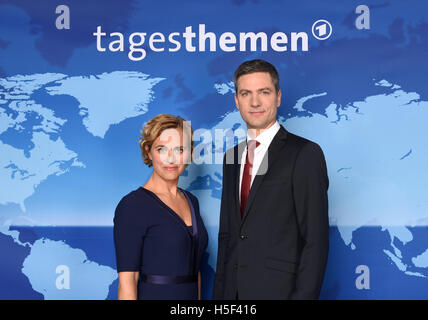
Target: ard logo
[322,29]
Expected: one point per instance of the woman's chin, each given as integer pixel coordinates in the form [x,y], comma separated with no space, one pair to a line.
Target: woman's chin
[170,174]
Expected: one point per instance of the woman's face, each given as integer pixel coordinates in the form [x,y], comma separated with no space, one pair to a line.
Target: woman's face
[170,153]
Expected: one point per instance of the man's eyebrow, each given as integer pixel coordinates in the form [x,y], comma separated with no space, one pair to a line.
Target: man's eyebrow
[261,89]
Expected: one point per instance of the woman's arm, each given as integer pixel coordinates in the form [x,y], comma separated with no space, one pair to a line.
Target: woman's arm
[128,282]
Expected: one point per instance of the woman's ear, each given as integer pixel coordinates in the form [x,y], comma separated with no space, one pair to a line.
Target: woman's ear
[146,147]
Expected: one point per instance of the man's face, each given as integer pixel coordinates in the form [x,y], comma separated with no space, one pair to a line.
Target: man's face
[257,100]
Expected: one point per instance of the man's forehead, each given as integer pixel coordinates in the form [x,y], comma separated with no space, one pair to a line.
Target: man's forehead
[255,80]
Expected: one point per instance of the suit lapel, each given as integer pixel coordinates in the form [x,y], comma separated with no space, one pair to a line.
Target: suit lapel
[268,159]
[238,150]
[237,155]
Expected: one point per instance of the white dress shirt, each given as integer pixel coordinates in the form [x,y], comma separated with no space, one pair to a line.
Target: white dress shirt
[264,138]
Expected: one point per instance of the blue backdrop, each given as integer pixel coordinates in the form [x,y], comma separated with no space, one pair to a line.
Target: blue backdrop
[79,79]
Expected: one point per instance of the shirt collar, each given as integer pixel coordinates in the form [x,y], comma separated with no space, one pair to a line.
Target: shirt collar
[267,135]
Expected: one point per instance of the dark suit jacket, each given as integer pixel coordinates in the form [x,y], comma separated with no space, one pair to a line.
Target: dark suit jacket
[279,249]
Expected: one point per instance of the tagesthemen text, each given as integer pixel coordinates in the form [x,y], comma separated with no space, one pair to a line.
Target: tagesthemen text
[199,41]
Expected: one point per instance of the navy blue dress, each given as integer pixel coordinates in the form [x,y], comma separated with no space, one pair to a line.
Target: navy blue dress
[151,238]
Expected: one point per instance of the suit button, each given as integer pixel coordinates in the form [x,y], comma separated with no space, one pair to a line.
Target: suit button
[243,237]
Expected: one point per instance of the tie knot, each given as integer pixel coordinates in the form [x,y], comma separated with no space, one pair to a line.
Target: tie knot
[252,144]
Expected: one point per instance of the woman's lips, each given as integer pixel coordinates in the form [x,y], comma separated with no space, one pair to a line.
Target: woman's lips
[171,168]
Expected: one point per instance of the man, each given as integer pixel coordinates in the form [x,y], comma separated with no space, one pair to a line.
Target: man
[274,229]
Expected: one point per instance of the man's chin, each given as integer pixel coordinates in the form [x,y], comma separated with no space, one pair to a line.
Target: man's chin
[256,125]
[259,124]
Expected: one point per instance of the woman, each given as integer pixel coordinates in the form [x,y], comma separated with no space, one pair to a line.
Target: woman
[159,235]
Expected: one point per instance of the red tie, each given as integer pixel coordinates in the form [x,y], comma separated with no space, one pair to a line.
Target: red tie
[246,176]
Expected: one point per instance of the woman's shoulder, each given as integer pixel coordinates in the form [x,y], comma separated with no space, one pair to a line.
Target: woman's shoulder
[131,202]
[188,193]
[132,212]
[192,197]
[131,196]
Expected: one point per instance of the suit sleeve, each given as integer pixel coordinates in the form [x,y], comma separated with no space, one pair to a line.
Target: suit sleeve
[223,238]
[310,185]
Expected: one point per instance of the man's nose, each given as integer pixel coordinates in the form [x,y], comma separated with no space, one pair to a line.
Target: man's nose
[255,100]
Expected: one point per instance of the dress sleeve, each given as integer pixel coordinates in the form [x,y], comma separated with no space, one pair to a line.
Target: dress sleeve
[128,236]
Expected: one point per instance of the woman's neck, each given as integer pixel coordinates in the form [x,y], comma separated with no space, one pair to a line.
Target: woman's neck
[159,185]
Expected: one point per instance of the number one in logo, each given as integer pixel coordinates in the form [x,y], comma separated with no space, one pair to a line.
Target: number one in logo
[322,30]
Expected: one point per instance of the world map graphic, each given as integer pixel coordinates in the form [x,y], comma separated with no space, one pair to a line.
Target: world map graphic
[70,124]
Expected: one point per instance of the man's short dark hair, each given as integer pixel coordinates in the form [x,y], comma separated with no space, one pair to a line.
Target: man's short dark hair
[253,66]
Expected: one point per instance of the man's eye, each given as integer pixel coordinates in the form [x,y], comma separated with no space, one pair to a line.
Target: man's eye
[266,93]
[244,94]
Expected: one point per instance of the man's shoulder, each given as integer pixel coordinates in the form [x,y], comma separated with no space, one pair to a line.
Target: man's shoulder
[236,147]
[292,139]
[304,148]
[300,142]
[232,154]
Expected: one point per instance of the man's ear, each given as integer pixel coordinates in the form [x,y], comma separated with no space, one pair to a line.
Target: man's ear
[236,102]
[278,101]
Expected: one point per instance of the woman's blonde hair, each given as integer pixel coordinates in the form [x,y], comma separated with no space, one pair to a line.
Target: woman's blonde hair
[153,129]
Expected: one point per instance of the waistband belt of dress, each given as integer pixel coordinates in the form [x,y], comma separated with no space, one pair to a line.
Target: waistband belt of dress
[157,279]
